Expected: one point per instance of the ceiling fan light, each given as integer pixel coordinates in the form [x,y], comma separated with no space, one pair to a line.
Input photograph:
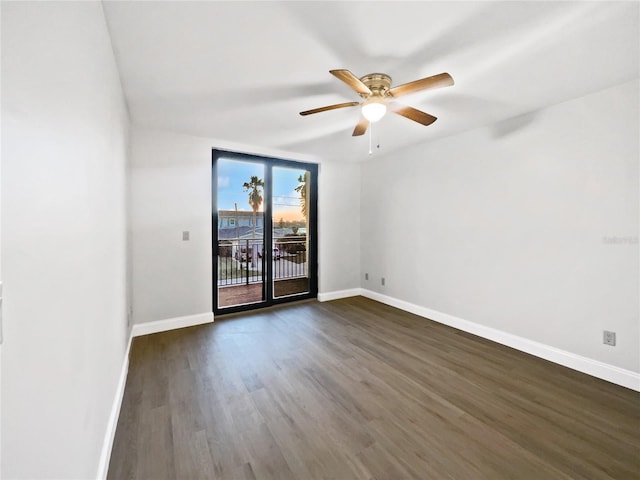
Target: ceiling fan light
[373,110]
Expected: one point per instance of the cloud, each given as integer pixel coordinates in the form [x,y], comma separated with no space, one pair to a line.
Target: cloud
[223,181]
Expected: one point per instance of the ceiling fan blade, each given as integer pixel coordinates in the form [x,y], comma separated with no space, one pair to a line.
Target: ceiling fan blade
[436,81]
[350,79]
[330,107]
[361,127]
[412,113]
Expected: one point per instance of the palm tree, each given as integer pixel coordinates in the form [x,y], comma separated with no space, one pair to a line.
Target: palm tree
[302,190]
[254,187]
[255,194]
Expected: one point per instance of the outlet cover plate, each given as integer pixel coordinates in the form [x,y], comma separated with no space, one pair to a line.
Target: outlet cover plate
[609,338]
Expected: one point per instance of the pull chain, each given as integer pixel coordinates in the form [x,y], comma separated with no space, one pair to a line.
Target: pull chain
[370,137]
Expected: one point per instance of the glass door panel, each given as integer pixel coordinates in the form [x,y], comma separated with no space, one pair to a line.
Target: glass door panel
[290,231]
[264,231]
[241,229]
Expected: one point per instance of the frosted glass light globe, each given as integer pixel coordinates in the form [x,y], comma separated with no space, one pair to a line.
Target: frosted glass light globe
[374,109]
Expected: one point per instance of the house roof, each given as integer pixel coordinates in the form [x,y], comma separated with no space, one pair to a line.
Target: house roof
[238,213]
[244,232]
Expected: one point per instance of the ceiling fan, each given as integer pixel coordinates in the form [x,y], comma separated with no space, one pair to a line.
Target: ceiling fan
[377,94]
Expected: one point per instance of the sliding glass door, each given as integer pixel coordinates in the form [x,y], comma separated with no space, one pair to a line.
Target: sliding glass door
[240,255]
[290,227]
[264,231]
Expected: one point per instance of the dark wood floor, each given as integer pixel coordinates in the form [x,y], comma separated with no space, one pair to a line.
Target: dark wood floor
[252,293]
[356,389]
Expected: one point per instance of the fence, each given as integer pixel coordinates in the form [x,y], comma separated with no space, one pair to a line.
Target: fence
[243,262]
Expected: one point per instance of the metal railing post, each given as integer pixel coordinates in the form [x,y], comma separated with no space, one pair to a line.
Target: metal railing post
[247,257]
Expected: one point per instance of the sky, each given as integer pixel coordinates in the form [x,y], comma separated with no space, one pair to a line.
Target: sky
[232,174]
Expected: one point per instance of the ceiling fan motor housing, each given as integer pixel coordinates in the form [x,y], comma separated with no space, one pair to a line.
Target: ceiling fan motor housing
[378,83]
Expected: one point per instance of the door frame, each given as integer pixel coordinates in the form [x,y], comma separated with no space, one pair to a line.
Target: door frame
[312,233]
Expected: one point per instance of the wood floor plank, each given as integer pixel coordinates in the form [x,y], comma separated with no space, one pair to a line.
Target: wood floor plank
[356,389]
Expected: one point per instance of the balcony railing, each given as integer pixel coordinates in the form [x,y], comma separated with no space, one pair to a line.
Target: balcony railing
[242,262]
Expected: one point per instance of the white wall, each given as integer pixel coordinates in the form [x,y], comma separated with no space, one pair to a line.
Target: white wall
[505,226]
[339,226]
[171,192]
[0,257]
[64,136]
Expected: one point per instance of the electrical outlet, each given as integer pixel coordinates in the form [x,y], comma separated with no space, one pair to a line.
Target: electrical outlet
[185,235]
[382,281]
[609,338]
[366,276]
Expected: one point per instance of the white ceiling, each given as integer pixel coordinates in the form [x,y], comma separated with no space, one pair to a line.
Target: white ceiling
[241,71]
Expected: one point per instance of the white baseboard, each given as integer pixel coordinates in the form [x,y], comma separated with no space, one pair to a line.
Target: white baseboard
[171,324]
[136,331]
[610,373]
[595,368]
[328,296]
[107,444]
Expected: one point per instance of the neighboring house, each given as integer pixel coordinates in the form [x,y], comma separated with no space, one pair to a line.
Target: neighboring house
[240,218]
[239,225]
[237,235]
